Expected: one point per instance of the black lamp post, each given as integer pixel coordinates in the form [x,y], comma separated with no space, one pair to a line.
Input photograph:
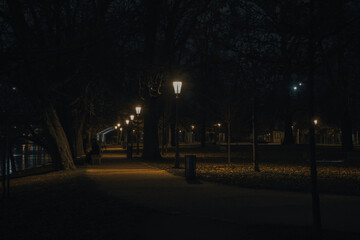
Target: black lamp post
[118,134]
[128,139]
[138,111]
[120,138]
[131,133]
[177,89]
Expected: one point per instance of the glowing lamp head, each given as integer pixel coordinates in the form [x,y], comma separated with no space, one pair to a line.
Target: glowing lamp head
[295,88]
[315,121]
[192,127]
[219,124]
[116,127]
[177,87]
[138,110]
[121,129]
[118,124]
[127,121]
[132,117]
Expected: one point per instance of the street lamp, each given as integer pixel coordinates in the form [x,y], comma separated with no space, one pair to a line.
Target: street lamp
[138,111]
[131,131]
[128,138]
[120,130]
[217,132]
[118,124]
[177,89]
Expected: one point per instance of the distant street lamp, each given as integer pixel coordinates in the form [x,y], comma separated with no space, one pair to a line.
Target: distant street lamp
[128,149]
[138,111]
[120,130]
[315,121]
[118,133]
[132,117]
[217,133]
[177,89]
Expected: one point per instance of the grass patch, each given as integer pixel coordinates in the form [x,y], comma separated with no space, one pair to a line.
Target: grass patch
[292,175]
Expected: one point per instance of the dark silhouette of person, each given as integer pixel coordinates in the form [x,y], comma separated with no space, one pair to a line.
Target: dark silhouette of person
[95,148]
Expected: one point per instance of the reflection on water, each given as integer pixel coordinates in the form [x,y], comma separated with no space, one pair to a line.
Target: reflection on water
[28,156]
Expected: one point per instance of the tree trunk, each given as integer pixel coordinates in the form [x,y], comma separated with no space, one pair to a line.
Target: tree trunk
[346,123]
[75,137]
[288,136]
[60,149]
[203,130]
[228,142]
[151,137]
[78,147]
[288,133]
[254,130]
[346,131]
[313,167]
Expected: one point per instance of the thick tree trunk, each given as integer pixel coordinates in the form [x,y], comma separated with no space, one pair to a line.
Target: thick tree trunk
[75,137]
[60,149]
[151,137]
[78,143]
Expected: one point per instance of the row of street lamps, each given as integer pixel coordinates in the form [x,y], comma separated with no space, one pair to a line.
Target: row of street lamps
[177,90]
[129,129]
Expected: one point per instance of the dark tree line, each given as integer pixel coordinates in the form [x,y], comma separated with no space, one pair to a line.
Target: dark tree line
[82,63]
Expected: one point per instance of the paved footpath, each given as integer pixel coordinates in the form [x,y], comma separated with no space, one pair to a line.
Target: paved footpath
[182,209]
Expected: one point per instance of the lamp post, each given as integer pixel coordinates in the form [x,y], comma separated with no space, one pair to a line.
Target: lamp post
[132,117]
[117,135]
[120,130]
[128,150]
[217,132]
[118,127]
[138,111]
[177,89]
